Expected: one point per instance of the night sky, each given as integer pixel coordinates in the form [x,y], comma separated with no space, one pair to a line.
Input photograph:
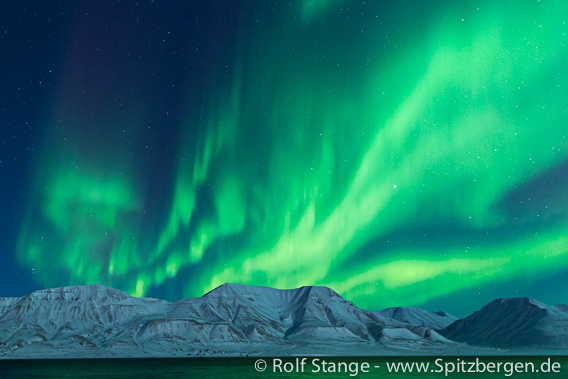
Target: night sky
[403,153]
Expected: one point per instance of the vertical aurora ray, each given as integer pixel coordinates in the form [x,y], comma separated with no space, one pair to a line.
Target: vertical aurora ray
[323,139]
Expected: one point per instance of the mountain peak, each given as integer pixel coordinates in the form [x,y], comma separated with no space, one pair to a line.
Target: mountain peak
[510,322]
[244,288]
[518,302]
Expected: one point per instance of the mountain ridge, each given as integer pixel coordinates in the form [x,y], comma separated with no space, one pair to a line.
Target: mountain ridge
[234,320]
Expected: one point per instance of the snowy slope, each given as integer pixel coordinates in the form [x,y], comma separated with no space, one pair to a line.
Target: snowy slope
[97,321]
[234,320]
[419,317]
[518,322]
[84,314]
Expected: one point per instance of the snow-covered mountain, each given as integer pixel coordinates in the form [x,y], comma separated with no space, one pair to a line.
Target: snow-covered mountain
[419,317]
[519,322]
[97,321]
[236,320]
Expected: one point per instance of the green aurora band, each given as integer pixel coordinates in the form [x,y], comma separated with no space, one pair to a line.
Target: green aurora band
[327,143]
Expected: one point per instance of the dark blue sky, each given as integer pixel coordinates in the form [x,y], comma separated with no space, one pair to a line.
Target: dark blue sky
[402,153]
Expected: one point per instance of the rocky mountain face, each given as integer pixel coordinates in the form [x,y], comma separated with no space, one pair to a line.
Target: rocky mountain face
[519,322]
[236,320]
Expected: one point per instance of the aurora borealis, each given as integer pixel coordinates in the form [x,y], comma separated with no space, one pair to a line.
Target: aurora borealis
[402,154]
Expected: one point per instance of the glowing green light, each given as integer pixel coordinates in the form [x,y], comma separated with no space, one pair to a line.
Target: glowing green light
[322,149]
